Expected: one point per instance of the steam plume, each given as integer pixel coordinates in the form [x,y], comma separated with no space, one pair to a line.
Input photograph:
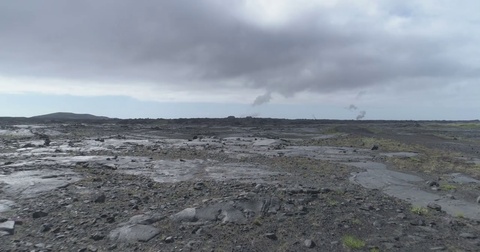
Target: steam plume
[361,115]
[265,98]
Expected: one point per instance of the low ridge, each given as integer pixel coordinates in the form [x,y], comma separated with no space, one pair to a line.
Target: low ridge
[69,116]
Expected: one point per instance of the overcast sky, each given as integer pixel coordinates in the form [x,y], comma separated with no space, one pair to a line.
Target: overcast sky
[409,59]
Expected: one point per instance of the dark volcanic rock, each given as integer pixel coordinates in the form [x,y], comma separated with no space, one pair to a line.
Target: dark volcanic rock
[39,214]
[97,236]
[434,206]
[309,243]
[100,199]
[271,236]
[231,189]
[7,227]
[46,227]
[169,239]
[468,236]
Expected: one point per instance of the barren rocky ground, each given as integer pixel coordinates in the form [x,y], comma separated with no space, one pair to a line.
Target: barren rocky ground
[239,185]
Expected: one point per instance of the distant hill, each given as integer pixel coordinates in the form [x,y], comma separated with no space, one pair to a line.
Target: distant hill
[68,116]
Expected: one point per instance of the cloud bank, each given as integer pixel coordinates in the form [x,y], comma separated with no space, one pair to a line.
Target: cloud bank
[283,47]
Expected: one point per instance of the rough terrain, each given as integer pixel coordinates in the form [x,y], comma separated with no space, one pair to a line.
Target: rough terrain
[239,184]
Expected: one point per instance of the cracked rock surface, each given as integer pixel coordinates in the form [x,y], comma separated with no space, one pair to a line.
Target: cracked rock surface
[238,185]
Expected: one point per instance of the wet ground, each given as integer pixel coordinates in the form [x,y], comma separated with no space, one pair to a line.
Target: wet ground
[425,169]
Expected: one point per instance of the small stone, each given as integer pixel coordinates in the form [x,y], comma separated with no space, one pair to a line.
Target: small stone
[271,236]
[100,199]
[433,183]
[449,196]
[434,206]
[40,245]
[199,186]
[169,239]
[401,216]
[417,222]
[46,227]
[7,227]
[478,199]
[110,219]
[468,236]
[375,147]
[440,248]
[92,248]
[325,190]
[97,236]
[309,243]
[39,214]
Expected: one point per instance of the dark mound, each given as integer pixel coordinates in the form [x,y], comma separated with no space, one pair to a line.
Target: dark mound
[69,116]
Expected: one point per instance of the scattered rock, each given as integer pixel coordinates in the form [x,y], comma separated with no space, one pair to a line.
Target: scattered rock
[8,227]
[468,236]
[271,236]
[309,243]
[291,204]
[39,214]
[92,248]
[439,248]
[449,196]
[6,205]
[417,222]
[46,227]
[29,145]
[97,236]
[133,233]
[168,239]
[434,206]
[100,199]
[110,219]
[198,186]
[478,199]
[375,147]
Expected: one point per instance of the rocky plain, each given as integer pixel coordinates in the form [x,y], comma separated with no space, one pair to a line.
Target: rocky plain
[239,184]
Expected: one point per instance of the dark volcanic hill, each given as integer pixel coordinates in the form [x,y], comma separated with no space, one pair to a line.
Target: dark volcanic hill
[69,116]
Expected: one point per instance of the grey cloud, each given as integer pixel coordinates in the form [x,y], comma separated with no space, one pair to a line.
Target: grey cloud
[262,99]
[352,107]
[204,44]
[360,94]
